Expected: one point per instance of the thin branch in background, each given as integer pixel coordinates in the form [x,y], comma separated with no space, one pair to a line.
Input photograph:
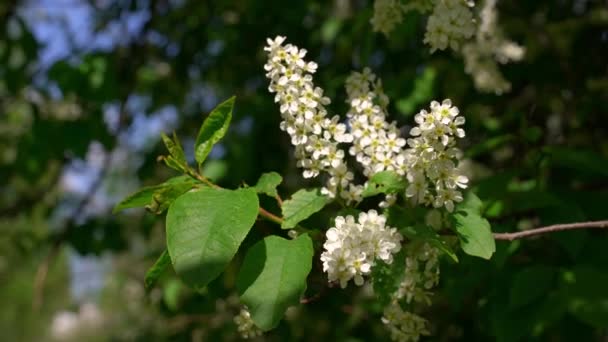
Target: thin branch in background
[550,229]
[70,224]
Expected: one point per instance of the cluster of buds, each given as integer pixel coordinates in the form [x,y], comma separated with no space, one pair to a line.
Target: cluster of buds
[245,325]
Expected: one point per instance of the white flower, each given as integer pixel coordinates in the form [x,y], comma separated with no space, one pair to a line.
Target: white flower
[404,326]
[417,188]
[481,56]
[353,194]
[450,24]
[421,274]
[446,198]
[376,143]
[431,159]
[387,15]
[275,43]
[352,247]
[302,106]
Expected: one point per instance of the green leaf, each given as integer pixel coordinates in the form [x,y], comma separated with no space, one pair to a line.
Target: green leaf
[488,145]
[205,229]
[157,270]
[215,170]
[145,196]
[406,222]
[163,197]
[473,230]
[387,277]
[172,163]
[213,129]
[301,205]
[273,277]
[385,182]
[423,233]
[529,284]
[140,198]
[176,158]
[267,184]
[421,92]
[585,161]
[175,148]
[584,290]
[171,293]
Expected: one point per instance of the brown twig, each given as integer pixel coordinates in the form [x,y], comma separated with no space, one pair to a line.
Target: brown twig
[279,200]
[311,299]
[270,216]
[550,229]
[42,273]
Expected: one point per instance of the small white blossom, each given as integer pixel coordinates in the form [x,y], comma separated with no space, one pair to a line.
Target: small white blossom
[352,247]
[481,56]
[387,15]
[432,157]
[450,24]
[376,143]
[421,274]
[404,326]
[302,106]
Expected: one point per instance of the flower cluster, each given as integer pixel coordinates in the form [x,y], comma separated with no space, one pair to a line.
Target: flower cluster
[404,326]
[387,15]
[481,56]
[245,324]
[421,274]
[352,247]
[432,157]
[376,143]
[450,24]
[428,159]
[314,135]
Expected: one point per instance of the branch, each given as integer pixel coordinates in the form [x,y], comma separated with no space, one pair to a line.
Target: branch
[270,216]
[70,225]
[71,222]
[550,229]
